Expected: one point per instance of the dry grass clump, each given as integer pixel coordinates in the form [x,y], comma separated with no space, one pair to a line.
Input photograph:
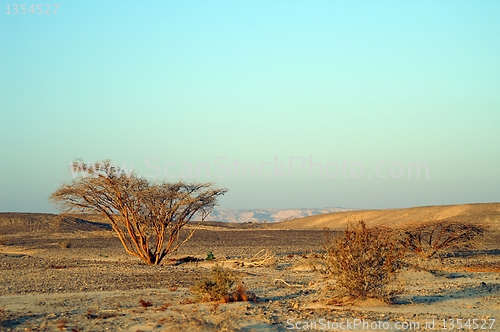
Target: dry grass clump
[218,285]
[65,244]
[215,285]
[363,262]
[240,294]
[145,304]
[428,239]
[263,258]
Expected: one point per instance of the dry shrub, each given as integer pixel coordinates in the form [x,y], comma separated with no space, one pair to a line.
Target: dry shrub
[165,306]
[145,304]
[240,294]
[428,239]
[363,262]
[218,286]
[65,244]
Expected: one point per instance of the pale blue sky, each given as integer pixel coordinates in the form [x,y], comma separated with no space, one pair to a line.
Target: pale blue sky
[188,81]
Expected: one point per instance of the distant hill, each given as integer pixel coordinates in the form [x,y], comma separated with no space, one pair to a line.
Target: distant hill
[487,214]
[15,222]
[11,222]
[266,215]
[484,213]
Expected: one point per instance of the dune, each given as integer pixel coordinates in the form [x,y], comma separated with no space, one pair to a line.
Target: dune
[487,214]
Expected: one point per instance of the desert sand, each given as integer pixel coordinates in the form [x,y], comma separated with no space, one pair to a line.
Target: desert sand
[74,275]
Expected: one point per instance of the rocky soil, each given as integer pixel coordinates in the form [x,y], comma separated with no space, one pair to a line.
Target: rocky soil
[84,281]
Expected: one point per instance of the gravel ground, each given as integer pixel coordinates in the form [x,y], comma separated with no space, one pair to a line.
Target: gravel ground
[94,286]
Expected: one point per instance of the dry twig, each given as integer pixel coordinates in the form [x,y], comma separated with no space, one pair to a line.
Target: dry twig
[262,258]
[286,283]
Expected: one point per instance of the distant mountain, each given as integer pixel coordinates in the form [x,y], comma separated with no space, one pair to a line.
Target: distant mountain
[266,215]
[12,222]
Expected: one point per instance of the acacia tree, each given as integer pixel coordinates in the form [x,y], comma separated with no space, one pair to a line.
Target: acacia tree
[146,216]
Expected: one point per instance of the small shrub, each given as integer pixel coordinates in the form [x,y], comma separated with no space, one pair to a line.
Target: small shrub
[65,244]
[428,239]
[216,285]
[363,262]
[165,306]
[145,304]
[210,256]
[240,294]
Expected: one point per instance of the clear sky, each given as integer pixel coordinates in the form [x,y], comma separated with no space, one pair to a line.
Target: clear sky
[159,82]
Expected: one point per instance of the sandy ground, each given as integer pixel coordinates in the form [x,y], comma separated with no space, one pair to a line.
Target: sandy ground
[94,286]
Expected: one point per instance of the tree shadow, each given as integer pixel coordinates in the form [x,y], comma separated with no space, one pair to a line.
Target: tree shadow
[13,321]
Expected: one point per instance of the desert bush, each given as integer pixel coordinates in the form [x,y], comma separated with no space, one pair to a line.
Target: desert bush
[363,261]
[215,285]
[145,304]
[426,240]
[218,285]
[240,294]
[65,244]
